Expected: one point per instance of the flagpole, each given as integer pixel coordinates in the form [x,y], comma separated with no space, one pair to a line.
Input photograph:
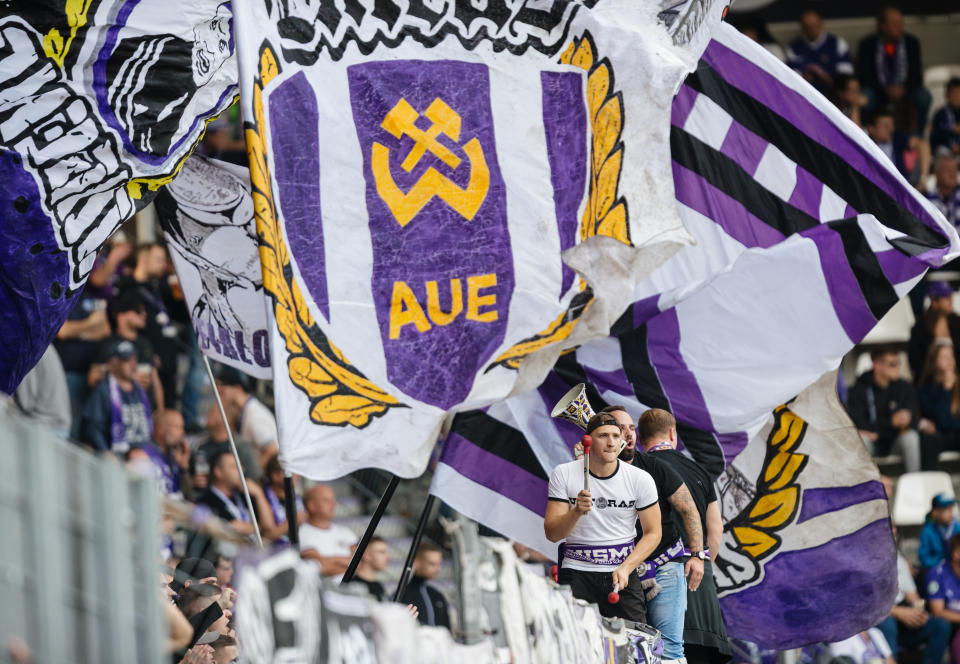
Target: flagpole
[371,528]
[233,448]
[417,536]
[290,507]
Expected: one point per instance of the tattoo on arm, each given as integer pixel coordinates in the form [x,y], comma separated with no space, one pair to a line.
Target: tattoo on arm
[682,502]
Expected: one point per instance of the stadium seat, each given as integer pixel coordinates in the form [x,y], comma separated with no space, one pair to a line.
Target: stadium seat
[911,501]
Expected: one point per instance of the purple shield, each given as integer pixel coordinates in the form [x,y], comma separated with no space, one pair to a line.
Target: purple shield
[443,268]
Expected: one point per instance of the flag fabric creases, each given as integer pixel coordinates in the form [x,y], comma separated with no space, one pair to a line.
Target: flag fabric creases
[805,237]
[88,132]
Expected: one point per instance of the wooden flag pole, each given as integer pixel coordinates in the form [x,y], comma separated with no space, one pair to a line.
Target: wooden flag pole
[417,536]
[371,528]
[236,455]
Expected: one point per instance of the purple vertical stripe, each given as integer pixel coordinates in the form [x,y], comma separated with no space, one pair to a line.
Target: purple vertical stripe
[849,212]
[645,309]
[565,125]
[678,382]
[805,116]
[698,194]
[807,193]
[682,104]
[830,499]
[732,444]
[294,128]
[613,381]
[848,301]
[495,473]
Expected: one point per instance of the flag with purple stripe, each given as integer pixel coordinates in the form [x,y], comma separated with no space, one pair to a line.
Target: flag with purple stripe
[806,236]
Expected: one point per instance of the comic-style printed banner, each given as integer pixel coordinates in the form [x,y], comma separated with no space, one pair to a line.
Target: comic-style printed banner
[207,219]
[100,102]
[448,195]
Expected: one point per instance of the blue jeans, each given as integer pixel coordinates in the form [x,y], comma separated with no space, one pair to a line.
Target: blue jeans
[935,634]
[666,610]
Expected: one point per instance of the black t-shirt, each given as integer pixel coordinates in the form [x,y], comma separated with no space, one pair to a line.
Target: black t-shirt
[697,481]
[667,481]
[375,588]
[77,354]
[159,331]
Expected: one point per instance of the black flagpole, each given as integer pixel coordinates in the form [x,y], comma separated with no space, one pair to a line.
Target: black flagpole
[417,536]
[290,507]
[371,528]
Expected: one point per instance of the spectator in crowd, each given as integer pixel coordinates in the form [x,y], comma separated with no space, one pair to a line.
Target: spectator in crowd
[128,318]
[884,409]
[200,603]
[253,420]
[322,540]
[940,526]
[818,55]
[754,27]
[224,494]
[430,603]
[704,634]
[224,569]
[77,343]
[43,394]
[910,154]
[148,281]
[372,565]
[938,393]
[848,97]
[945,194]
[945,126]
[117,415]
[168,453]
[938,322]
[891,72]
[943,593]
[225,650]
[276,493]
[216,441]
[107,268]
[909,625]
[867,647]
[192,571]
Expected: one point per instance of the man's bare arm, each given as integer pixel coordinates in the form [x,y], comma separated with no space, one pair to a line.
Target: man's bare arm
[561,517]
[682,502]
[714,529]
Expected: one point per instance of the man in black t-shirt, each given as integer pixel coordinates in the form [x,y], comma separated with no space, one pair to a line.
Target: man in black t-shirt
[371,566]
[682,535]
[430,603]
[77,343]
[704,634]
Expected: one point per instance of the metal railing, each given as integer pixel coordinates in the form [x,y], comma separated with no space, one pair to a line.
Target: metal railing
[79,552]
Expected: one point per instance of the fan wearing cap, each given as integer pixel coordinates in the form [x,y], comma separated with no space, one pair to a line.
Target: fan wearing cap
[940,526]
[939,321]
[117,416]
[599,525]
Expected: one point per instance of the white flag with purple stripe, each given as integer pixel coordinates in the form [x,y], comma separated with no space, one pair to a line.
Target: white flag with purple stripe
[806,236]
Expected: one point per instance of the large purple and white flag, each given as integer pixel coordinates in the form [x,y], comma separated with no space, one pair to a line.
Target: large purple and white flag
[100,102]
[446,196]
[806,235]
[207,218]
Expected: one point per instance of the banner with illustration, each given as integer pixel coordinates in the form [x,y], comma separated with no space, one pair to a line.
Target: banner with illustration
[447,195]
[206,213]
[806,236]
[100,102]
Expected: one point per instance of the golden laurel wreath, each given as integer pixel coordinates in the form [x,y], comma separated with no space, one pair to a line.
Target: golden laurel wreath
[606,211]
[339,394]
[778,492]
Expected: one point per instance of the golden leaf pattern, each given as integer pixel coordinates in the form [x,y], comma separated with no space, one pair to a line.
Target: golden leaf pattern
[777,500]
[605,212]
[339,394]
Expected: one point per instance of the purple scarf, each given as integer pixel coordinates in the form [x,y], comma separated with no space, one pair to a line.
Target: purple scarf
[891,71]
[118,430]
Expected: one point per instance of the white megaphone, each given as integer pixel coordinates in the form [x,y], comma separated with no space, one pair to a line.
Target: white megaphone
[574,407]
